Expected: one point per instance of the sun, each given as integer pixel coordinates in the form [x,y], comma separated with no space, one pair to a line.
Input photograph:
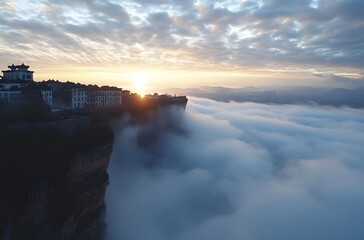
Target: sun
[140,80]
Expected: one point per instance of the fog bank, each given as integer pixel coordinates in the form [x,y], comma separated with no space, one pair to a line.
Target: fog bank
[351,94]
[239,171]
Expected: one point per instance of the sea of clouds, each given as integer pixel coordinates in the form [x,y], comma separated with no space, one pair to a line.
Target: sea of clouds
[238,171]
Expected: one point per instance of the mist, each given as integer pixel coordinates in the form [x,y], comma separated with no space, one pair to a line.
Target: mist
[349,93]
[238,171]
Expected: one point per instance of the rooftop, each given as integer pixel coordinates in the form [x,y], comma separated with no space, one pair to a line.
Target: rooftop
[17,67]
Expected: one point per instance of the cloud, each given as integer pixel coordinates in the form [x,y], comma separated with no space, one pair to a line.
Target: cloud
[346,81]
[342,91]
[199,34]
[238,171]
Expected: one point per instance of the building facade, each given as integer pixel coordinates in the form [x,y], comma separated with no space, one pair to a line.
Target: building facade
[95,97]
[7,85]
[104,97]
[78,98]
[18,72]
[10,96]
[47,95]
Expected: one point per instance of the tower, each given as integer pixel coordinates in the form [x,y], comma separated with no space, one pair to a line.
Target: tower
[18,72]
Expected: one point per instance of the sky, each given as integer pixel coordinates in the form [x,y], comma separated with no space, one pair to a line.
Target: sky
[154,44]
[238,171]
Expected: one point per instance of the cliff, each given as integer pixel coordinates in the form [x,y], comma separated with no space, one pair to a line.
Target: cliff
[53,173]
[53,183]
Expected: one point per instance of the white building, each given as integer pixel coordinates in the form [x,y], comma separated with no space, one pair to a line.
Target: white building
[19,79]
[10,96]
[18,72]
[7,85]
[104,97]
[47,95]
[78,98]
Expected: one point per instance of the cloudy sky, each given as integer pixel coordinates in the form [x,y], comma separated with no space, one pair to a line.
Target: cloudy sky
[163,43]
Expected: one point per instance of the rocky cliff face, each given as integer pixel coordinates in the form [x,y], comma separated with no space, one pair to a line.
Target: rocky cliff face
[53,174]
[54,183]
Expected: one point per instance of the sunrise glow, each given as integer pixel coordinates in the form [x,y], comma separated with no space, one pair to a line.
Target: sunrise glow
[183,43]
[140,82]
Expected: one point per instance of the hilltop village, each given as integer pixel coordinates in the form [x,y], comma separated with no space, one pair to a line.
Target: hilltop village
[21,98]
